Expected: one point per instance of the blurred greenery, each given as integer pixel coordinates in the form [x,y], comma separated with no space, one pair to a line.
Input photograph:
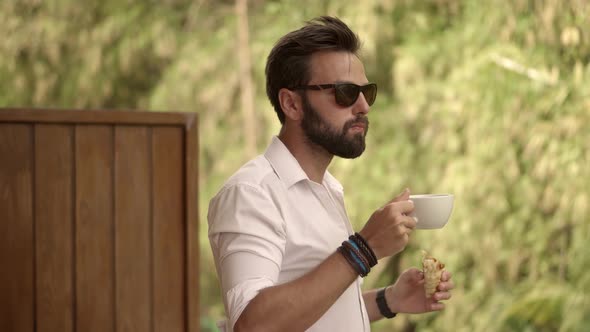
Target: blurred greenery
[488,100]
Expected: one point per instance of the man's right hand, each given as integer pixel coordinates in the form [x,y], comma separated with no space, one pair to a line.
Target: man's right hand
[387,231]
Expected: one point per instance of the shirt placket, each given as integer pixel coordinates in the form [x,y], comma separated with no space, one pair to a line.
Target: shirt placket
[338,205]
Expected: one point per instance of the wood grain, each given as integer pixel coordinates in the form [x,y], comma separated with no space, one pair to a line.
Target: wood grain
[192,225]
[168,231]
[95,305]
[17,254]
[107,117]
[54,235]
[133,228]
[98,221]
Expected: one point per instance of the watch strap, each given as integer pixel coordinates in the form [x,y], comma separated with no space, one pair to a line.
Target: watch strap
[382,304]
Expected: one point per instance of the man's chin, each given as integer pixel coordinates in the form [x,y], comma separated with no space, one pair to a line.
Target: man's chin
[351,156]
[352,152]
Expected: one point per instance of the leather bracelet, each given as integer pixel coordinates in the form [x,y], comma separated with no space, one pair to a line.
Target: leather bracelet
[368,251]
[382,304]
[356,252]
[351,260]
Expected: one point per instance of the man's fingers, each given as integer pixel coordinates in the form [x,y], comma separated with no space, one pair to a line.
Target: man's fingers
[410,222]
[441,296]
[401,207]
[403,196]
[413,274]
[437,306]
[446,275]
[446,285]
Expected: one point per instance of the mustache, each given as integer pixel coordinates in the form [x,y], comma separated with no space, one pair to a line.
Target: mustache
[359,120]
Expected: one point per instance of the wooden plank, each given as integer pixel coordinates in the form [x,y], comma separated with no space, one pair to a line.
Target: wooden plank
[16,228]
[168,231]
[133,228]
[95,305]
[95,116]
[192,225]
[54,227]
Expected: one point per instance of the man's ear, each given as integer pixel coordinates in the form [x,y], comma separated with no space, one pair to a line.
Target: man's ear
[291,104]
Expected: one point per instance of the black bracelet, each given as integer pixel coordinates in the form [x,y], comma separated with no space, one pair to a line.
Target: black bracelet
[357,238]
[356,265]
[356,252]
[382,304]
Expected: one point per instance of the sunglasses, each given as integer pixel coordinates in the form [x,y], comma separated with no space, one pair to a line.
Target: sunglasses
[346,93]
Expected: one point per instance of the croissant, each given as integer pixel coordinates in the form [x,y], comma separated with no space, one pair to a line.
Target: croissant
[432,269]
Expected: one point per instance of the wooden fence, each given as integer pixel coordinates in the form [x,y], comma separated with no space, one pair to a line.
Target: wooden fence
[98,221]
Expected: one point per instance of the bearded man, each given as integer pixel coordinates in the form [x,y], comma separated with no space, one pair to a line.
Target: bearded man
[285,251]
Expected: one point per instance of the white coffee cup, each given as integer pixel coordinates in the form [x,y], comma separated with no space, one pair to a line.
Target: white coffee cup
[432,210]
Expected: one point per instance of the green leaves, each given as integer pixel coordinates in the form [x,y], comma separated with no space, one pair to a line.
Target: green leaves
[485,100]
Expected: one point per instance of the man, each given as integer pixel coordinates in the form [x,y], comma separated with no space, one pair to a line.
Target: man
[278,228]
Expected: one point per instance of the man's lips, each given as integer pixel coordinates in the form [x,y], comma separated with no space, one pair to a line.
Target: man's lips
[359,124]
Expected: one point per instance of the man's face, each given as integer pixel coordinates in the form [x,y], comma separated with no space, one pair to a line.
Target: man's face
[336,140]
[339,130]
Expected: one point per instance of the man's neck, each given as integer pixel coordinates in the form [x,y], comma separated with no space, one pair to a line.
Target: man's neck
[313,159]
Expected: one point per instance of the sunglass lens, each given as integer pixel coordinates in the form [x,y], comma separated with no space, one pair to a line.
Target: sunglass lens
[370,93]
[347,94]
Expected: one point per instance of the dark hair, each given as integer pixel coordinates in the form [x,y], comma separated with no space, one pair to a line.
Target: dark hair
[287,65]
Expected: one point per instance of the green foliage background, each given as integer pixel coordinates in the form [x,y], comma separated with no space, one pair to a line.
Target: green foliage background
[489,100]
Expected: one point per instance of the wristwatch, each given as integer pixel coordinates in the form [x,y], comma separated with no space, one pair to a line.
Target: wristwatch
[382,304]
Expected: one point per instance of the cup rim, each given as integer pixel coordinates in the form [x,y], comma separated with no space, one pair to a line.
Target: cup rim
[431,196]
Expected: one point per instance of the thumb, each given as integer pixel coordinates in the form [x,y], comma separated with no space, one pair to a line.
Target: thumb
[403,196]
[415,275]
[412,276]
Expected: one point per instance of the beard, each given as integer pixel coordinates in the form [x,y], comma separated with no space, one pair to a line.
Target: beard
[334,141]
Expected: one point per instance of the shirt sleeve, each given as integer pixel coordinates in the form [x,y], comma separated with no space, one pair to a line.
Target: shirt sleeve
[247,236]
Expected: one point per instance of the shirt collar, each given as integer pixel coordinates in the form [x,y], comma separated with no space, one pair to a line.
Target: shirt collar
[284,163]
[288,168]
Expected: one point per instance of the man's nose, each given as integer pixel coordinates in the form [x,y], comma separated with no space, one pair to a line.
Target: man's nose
[361,105]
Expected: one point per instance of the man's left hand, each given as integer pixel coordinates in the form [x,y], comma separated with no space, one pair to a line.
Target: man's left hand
[406,295]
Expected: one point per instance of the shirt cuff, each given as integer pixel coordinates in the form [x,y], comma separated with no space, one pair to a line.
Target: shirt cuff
[239,296]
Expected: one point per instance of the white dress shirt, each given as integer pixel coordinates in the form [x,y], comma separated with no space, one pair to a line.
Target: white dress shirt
[270,224]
